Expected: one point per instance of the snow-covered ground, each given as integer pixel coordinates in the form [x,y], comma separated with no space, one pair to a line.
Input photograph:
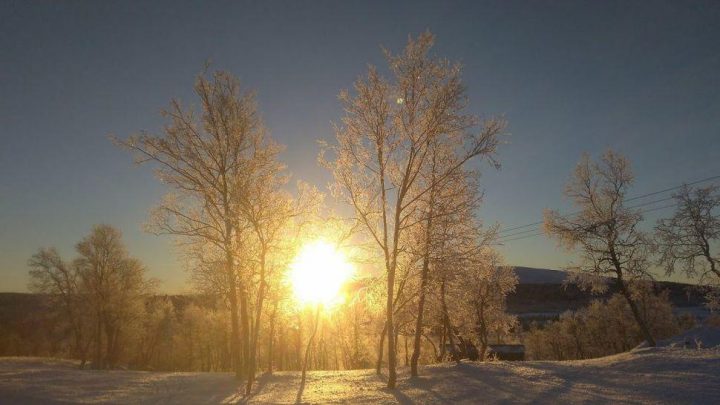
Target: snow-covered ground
[659,375]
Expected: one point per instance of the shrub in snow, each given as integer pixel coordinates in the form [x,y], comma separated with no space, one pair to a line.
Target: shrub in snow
[601,329]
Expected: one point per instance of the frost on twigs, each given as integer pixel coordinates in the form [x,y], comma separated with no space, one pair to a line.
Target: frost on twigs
[585,280]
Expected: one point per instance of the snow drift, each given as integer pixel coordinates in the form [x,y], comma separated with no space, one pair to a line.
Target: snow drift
[648,375]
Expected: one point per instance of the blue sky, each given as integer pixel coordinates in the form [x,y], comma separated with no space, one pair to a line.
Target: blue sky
[640,77]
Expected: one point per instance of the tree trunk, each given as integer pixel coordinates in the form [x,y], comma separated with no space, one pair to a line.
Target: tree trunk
[234,326]
[397,339]
[623,289]
[424,274]
[432,344]
[636,314]
[482,330]
[256,328]
[98,343]
[626,293]
[307,349]
[421,299]
[298,344]
[443,335]
[378,365]
[245,327]
[390,312]
[356,338]
[271,337]
[448,325]
[407,359]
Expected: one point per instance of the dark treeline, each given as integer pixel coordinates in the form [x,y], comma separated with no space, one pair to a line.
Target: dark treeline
[101,309]
[190,333]
[170,333]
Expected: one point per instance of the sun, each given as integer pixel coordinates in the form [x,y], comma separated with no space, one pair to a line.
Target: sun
[318,274]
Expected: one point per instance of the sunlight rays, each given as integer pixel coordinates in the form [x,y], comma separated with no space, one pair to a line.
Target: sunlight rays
[318,274]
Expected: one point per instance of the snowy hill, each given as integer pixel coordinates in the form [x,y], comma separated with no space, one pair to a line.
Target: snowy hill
[541,291]
[531,275]
[660,375]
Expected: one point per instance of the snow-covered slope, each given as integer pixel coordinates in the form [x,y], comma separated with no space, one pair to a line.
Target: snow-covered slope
[661,375]
[531,275]
[702,337]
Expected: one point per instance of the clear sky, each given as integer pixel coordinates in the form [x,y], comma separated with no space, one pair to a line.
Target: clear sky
[641,77]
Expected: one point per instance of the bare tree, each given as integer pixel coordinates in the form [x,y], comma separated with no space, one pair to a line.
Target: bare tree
[114,284]
[211,160]
[51,275]
[275,220]
[461,261]
[484,285]
[603,328]
[452,235]
[311,340]
[686,239]
[605,230]
[384,143]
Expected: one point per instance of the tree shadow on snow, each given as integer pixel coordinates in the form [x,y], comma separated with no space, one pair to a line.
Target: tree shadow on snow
[477,385]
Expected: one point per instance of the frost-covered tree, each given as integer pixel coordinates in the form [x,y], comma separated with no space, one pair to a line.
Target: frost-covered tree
[446,216]
[384,142]
[99,294]
[603,328]
[115,286]
[51,275]
[453,245]
[212,161]
[469,287]
[604,231]
[275,220]
[688,241]
[483,289]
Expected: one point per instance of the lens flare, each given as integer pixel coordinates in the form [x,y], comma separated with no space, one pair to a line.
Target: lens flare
[318,274]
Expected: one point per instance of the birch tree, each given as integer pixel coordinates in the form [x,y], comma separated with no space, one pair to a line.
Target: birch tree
[276,221]
[688,240]
[114,284]
[605,231]
[99,293]
[384,142]
[51,275]
[482,292]
[210,159]
[462,264]
[451,232]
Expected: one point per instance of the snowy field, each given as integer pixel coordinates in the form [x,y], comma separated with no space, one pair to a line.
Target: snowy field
[659,375]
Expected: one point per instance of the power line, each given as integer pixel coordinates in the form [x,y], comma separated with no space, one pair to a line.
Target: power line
[524,226]
[500,242]
[629,199]
[519,233]
[675,188]
[569,215]
[650,202]
[521,237]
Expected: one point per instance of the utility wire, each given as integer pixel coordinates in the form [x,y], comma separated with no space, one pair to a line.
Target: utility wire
[675,188]
[629,199]
[540,233]
[569,215]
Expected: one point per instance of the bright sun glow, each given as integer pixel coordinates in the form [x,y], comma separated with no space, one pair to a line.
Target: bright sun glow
[318,274]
